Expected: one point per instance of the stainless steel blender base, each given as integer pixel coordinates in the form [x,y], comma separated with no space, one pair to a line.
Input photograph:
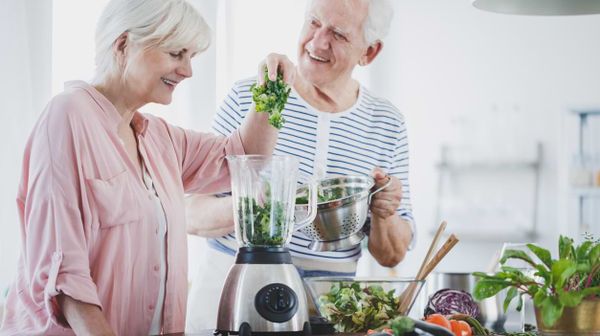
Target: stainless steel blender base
[336,245]
[244,282]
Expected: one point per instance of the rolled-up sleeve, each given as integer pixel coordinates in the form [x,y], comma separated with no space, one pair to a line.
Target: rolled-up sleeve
[56,240]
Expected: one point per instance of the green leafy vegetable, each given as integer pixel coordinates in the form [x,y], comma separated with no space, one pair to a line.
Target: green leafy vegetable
[555,283]
[271,98]
[256,222]
[323,196]
[352,308]
[402,325]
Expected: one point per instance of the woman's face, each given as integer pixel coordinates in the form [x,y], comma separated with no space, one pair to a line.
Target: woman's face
[152,74]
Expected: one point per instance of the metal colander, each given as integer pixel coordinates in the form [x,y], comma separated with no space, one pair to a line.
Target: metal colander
[341,217]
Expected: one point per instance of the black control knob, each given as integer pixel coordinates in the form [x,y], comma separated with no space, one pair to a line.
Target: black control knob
[276,302]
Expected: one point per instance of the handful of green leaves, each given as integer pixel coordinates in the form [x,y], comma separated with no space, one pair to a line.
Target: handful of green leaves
[352,308]
[556,283]
[271,98]
[256,222]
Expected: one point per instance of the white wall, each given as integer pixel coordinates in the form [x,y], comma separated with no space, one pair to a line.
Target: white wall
[446,61]
[25,65]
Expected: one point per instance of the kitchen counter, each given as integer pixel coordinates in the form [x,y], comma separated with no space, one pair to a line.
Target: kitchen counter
[210,333]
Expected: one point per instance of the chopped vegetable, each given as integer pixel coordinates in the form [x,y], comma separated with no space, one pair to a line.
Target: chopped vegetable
[476,327]
[460,328]
[384,331]
[354,309]
[323,196]
[438,319]
[256,222]
[402,325]
[271,98]
[451,301]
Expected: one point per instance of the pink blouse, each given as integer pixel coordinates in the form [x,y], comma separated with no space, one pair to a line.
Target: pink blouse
[88,224]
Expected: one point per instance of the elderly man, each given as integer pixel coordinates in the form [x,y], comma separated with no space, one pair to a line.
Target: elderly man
[334,126]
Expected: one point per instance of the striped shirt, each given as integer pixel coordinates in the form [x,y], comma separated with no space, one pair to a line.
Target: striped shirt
[370,134]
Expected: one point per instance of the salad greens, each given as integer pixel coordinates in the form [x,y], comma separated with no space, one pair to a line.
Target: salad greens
[402,325]
[323,196]
[255,221]
[271,97]
[556,283]
[352,308]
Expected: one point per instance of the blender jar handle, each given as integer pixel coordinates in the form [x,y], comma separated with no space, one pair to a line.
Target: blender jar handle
[387,184]
[311,185]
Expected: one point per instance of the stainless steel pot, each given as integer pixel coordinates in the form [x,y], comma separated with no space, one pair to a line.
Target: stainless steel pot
[492,314]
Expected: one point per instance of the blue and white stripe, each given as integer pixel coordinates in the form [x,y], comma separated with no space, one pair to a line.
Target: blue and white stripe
[370,134]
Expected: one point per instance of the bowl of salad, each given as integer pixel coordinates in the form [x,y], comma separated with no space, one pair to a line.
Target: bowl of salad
[354,304]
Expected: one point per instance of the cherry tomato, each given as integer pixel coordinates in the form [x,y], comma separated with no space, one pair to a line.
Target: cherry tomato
[460,328]
[438,319]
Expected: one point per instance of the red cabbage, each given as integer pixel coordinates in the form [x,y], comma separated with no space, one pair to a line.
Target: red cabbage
[451,301]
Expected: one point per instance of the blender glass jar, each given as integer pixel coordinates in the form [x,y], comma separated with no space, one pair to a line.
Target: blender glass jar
[264,195]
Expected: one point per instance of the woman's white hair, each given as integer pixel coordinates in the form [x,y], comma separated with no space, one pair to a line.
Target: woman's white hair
[168,24]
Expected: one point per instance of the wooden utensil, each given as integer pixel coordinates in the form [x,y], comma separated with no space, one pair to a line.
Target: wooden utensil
[432,246]
[406,296]
[441,253]
[427,266]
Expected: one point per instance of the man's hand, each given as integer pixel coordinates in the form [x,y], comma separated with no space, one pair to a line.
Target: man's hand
[385,202]
[390,235]
[257,132]
[274,63]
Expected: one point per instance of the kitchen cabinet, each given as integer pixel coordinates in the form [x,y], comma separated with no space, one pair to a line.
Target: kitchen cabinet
[491,198]
[585,171]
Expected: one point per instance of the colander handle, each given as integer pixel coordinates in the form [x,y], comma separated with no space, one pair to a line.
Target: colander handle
[387,184]
[312,186]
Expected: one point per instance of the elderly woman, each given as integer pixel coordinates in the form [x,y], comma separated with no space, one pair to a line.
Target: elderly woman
[101,197]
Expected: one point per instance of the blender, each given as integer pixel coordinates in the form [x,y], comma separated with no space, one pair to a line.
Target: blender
[263,292]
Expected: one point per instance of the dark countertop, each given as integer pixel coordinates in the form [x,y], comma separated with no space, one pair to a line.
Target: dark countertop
[210,333]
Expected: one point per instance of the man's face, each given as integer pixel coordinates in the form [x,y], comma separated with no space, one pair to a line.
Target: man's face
[332,40]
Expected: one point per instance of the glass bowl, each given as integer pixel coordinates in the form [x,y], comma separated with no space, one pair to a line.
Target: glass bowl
[356,304]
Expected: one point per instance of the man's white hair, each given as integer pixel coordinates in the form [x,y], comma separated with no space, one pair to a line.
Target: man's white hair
[378,20]
[168,24]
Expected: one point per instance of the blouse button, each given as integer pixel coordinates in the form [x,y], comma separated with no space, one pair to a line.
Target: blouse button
[156,268]
[150,307]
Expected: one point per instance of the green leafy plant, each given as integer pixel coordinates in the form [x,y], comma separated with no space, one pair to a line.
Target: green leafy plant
[256,221]
[271,98]
[352,308]
[555,283]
